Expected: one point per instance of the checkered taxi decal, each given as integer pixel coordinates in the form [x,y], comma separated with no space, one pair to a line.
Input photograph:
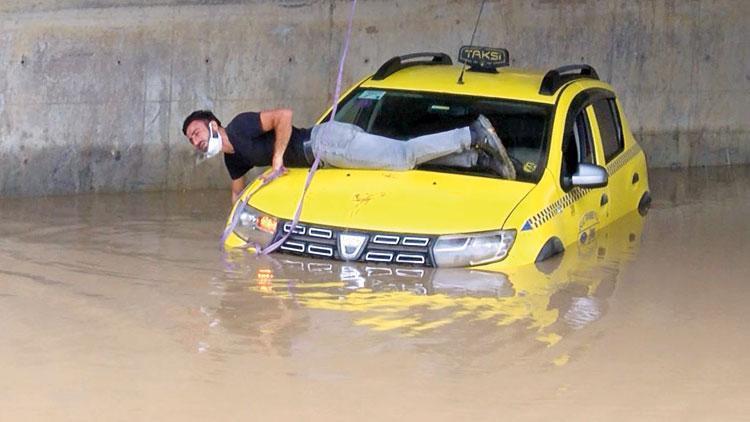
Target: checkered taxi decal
[622,159]
[577,193]
[555,208]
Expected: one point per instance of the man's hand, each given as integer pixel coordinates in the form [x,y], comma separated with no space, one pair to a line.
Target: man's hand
[274,174]
[238,185]
[278,162]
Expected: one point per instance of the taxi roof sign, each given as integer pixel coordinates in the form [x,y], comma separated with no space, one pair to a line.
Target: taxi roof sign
[483,59]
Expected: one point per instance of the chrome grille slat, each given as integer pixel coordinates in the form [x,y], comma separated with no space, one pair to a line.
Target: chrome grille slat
[379,256]
[298,229]
[385,239]
[320,250]
[415,241]
[409,259]
[293,246]
[318,232]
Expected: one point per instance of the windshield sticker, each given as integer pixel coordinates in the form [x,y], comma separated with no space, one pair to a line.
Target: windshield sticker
[371,95]
[529,167]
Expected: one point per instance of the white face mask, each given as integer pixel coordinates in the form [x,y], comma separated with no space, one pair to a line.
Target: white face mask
[214,143]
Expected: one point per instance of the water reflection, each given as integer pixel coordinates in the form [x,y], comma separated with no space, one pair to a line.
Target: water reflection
[271,300]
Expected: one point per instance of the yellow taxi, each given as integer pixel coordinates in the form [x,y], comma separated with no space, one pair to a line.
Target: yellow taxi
[550,299]
[578,169]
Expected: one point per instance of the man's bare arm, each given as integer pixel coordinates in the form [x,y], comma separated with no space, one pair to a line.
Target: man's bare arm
[280,121]
[237,186]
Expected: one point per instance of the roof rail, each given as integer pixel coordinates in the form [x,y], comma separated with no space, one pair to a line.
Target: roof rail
[556,78]
[397,63]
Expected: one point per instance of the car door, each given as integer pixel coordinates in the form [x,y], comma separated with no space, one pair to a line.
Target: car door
[609,135]
[589,207]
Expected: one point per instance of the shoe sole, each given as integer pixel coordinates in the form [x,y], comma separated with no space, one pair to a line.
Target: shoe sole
[504,157]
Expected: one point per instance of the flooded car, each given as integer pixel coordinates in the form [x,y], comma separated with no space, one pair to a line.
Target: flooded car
[550,299]
[578,169]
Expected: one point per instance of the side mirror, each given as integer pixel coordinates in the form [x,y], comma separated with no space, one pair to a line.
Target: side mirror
[590,176]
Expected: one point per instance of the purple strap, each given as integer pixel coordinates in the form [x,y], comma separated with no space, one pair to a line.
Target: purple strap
[272,247]
[276,173]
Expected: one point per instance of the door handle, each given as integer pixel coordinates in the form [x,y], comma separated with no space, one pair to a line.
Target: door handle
[636,178]
[604,201]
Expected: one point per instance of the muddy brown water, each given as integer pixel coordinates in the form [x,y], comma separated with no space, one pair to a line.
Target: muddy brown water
[122,307]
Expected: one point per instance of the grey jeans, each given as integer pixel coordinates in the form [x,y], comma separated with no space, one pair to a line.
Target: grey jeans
[348,146]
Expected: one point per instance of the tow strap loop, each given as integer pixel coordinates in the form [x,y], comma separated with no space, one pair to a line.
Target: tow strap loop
[276,173]
[264,180]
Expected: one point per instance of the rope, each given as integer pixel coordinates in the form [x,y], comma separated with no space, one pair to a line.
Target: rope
[316,163]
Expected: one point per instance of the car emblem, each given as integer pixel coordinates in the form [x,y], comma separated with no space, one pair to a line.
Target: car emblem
[351,245]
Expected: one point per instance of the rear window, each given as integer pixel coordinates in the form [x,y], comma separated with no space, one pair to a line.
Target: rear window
[403,115]
[609,127]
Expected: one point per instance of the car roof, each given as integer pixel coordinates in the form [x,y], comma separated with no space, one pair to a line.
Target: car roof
[507,83]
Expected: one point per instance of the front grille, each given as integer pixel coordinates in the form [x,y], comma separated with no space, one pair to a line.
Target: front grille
[323,242]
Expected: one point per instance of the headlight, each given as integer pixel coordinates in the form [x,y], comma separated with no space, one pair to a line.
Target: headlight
[461,250]
[255,227]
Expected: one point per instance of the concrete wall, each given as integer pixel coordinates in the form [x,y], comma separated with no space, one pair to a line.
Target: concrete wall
[93,92]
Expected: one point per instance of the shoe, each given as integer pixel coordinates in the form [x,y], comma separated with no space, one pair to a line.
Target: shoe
[487,162]
[485,139]
[483,136]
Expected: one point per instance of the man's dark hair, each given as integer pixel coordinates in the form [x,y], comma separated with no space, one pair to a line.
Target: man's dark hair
[205,115]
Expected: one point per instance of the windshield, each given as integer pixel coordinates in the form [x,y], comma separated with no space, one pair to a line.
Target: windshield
[404,115]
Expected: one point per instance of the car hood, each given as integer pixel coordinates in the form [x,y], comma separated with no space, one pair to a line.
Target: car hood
[418,202]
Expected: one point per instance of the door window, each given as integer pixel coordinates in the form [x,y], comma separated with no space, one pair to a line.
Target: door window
[610,128]
[578,145]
